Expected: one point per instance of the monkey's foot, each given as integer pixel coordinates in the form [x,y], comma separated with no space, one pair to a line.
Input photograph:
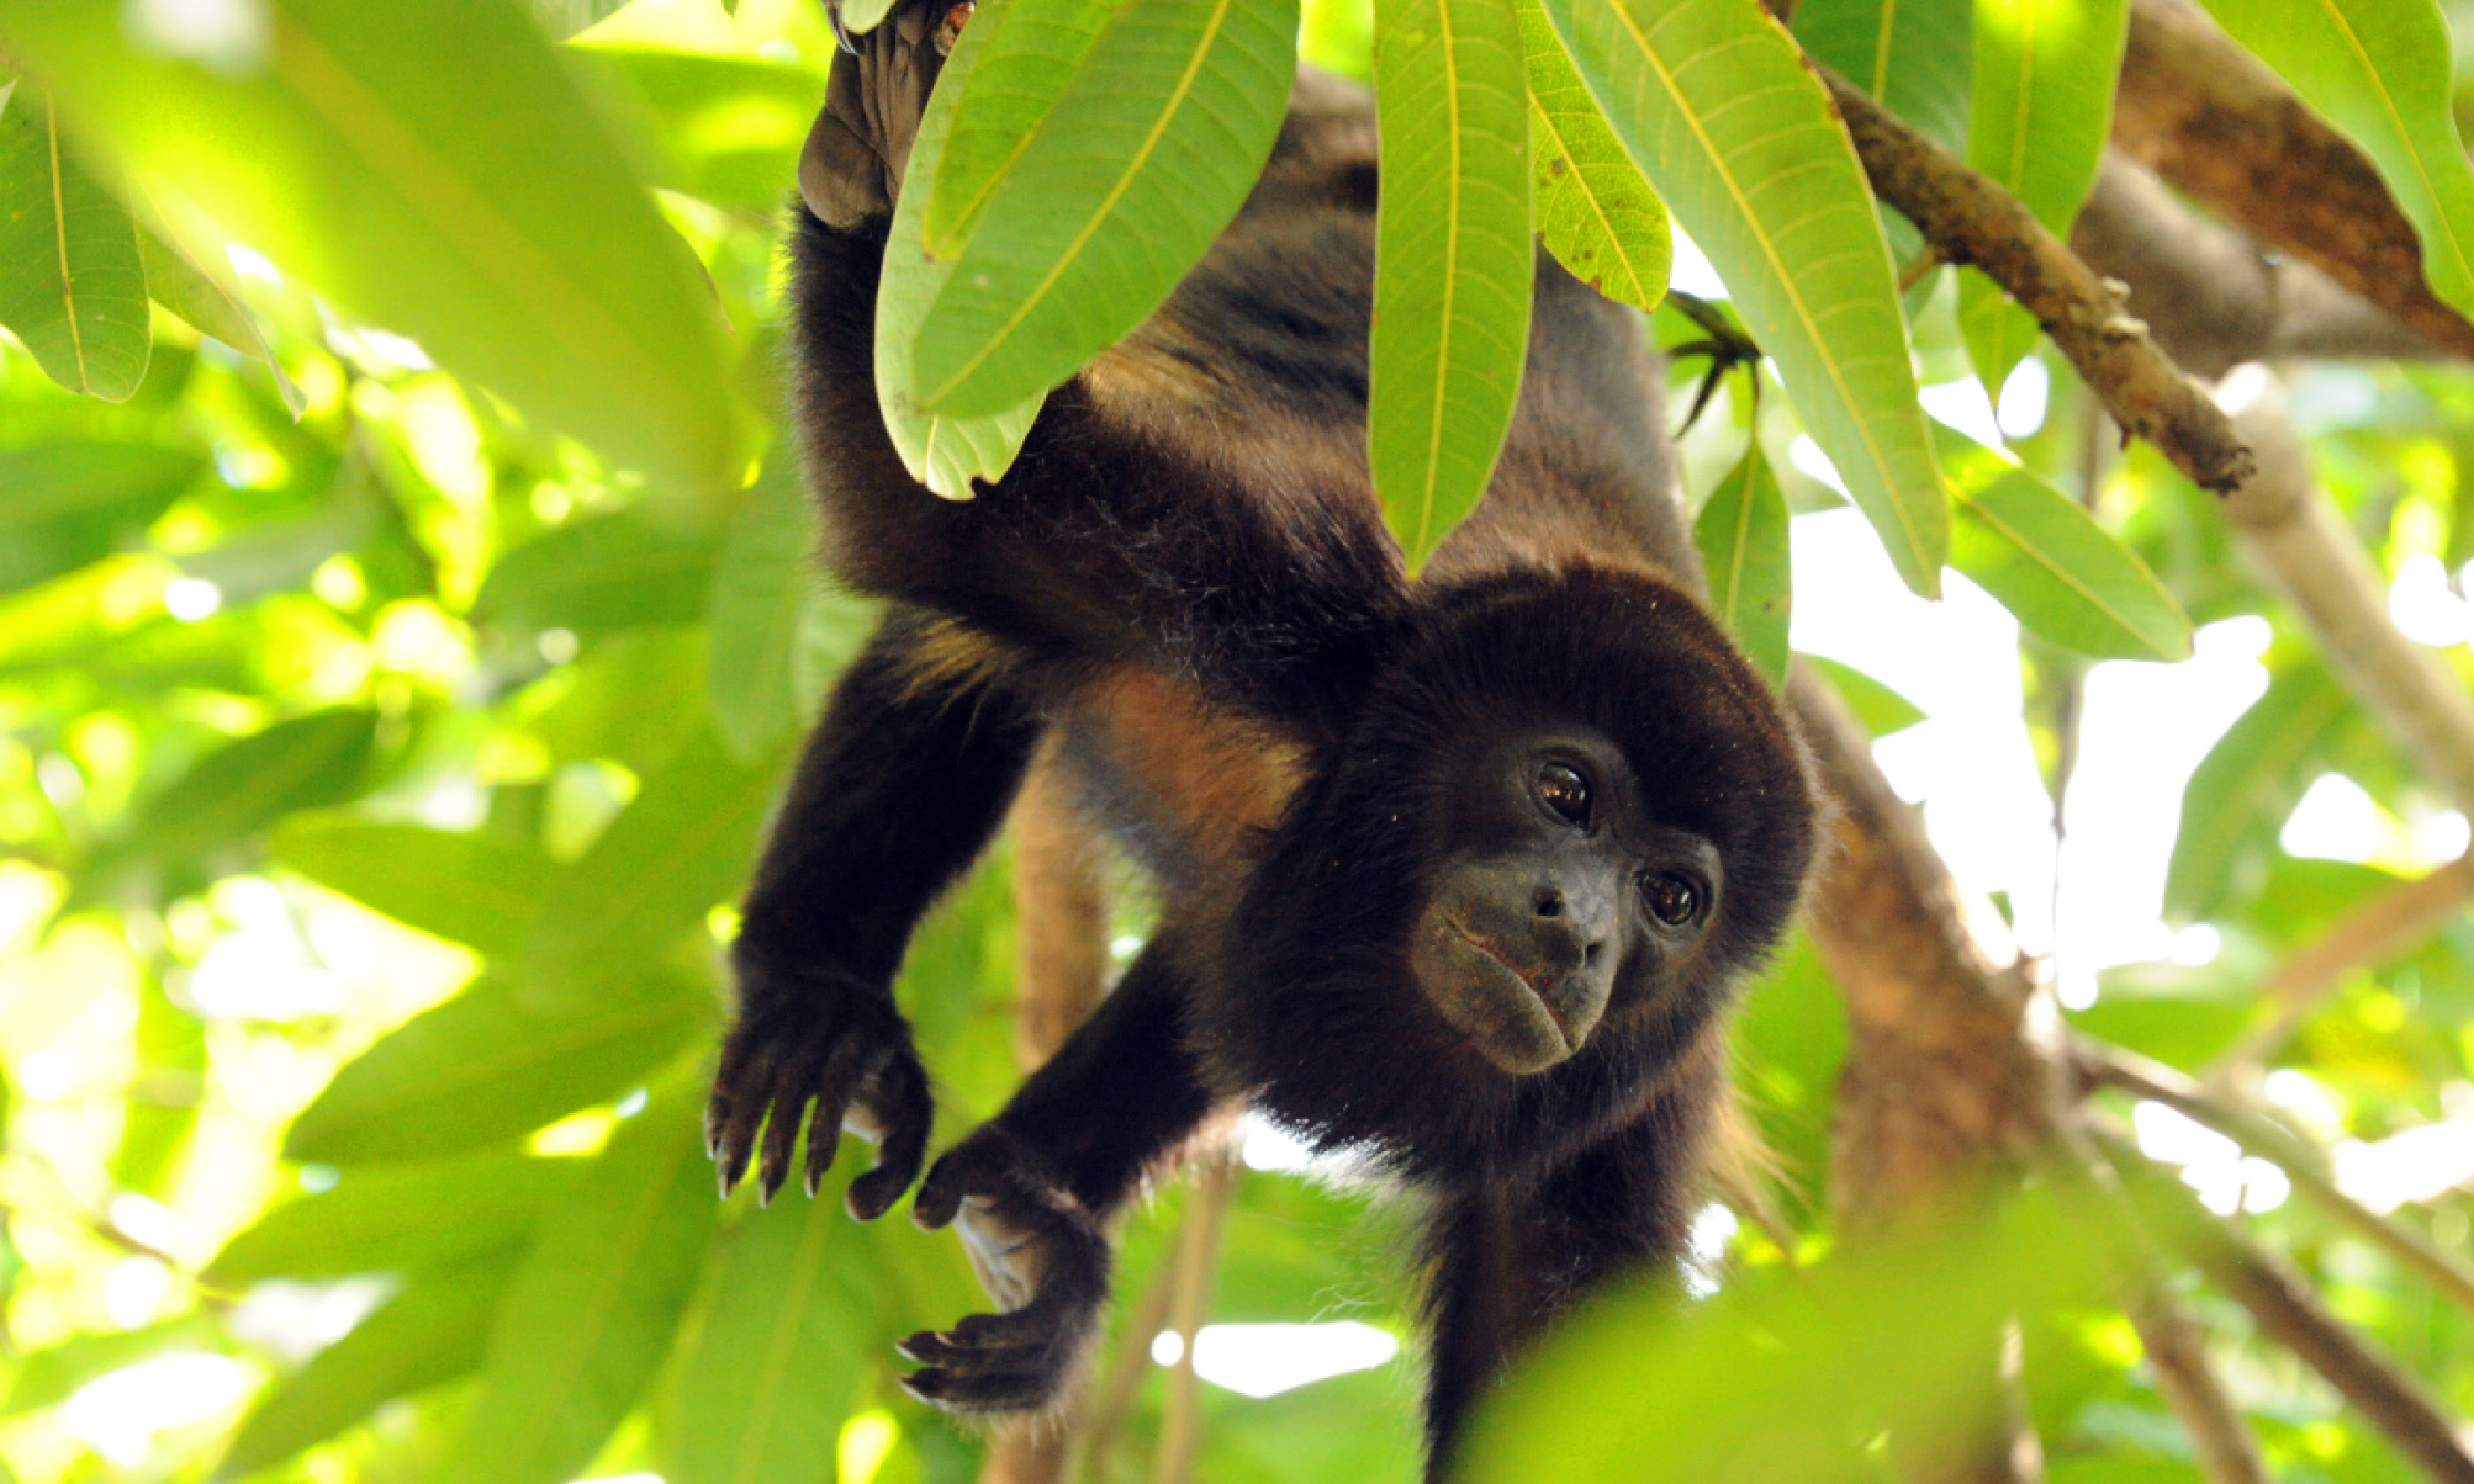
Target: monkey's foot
[860,145]
[1038,1253]
[838,1045]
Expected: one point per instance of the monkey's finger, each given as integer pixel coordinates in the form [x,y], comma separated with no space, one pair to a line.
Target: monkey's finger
[751,1093]
[792,1086]
[1013,1390]
[902,1109]
[941,1196]
[840,1078]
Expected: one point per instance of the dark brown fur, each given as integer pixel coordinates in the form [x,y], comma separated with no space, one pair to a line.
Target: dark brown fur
[1187,579]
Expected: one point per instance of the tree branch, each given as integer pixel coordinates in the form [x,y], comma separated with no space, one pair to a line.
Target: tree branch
[2216,122]
[2306,553]
[2209,296]
[1197,1265]
[2226,1449]
[2303,1163]
[1968,218]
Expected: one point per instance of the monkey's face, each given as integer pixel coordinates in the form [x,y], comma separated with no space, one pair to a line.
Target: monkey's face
[1552,889]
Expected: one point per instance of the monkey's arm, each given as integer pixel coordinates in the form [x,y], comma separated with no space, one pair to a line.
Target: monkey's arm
[1031,1193]
[897,793]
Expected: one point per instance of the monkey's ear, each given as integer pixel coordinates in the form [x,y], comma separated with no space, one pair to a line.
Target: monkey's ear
[839,176]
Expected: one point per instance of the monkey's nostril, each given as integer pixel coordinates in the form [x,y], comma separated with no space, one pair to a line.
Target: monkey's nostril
[1590,955]
[1550,903]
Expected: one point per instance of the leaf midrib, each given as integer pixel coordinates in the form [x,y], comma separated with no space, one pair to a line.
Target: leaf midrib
[60,242]
[2413,150]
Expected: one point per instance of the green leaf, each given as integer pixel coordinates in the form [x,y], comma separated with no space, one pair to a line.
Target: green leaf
[1454,264]
[434,1331]
[560,19]
[513,241]
[624,570]
[488,1066]
[1711,99]
[943,451]
[478,890]
[2251,780]
[233,793]
[1597,215]
[2045,71]
[2381,71]
[71,284]
[161,1110]
[785,1345]
[731,126]
[1742,536]
[595,1307]
[405,1218]
[1032,50]
[761,582]
[63,505]
[48,1376]
[205,299]
[1881,710]
[2049,564]
[680,848]
[1916,58]
[1147,154]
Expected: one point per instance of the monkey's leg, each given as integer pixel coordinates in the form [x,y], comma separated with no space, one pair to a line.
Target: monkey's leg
[1031,1190]
[897,793]
[1507,1260]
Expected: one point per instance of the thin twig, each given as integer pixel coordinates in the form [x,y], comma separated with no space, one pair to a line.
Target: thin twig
[1103,1419]
[1197,1266]
[2303,1163]
[1968,219]
[2221,1441]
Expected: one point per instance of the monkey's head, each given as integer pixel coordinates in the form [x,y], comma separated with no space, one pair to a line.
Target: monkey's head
[1567,821]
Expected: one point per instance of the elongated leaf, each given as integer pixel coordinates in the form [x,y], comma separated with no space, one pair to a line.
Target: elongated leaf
[595,1306]
[230,794]
[1881,710]
[1916,58]
[512,241]
[943,451]
[436,1329]
[1596,214]
[1742,537]
[2250,782]
[71,284]
[156,1124]
[2044,97]
[622,570]
[1034,48]
[1147,154]
[1453,261]
[50,1375]
[761,586]
[206,301]
[732,126]
[679,848]
[1711,99]
[408,1218]
[63,505]
[478,890]
[2064,576]
[2381,71]
[785,1343]
[486,1067]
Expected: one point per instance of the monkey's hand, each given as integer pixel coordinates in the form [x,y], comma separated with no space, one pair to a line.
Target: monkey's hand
[817,1036]
[860,145]
[1042,1257]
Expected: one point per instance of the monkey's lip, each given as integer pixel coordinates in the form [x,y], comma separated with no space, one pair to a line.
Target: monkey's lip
[1553,1016]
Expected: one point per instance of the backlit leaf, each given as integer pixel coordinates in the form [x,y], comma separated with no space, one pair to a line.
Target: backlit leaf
[65,504]
[2381,70]
[408,1218]
[1147,154]
[2250,782]
[761,585]
[2044,97]
[621,570]
[594,1309]
[1453,258]
[511,240]
[1711,99]
[2049,564]
[205,299]
[1595,213]
[479,889]
[1916,58]
[1742,536]
[1031,50]
[71,283]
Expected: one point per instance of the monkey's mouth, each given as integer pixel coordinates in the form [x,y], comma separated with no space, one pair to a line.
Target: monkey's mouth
[1511,1016]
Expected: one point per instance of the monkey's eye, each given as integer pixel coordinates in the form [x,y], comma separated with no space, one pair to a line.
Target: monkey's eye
[1565,792]
[1673,899]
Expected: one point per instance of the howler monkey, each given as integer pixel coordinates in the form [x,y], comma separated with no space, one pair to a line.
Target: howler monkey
[1459,874]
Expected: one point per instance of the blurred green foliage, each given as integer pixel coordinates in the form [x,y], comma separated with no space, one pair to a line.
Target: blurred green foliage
[380,742]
